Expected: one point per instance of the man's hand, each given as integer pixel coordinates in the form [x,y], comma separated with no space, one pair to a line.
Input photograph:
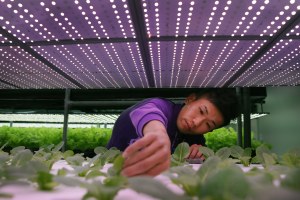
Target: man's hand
[149,155]
[195,153]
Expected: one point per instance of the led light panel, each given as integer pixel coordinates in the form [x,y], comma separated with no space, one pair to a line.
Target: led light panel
[57,118]
[3,40]
[33,20]
[113,65]
[227,18]
[24,71]
[148,43]
[279,66]
[199,64]
[5,86]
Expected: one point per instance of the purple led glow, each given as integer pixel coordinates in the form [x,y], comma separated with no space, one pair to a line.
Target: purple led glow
[280,66]
[21,70]
[99,65]
[51,20]
[221,37]
[203,64]
[218,17]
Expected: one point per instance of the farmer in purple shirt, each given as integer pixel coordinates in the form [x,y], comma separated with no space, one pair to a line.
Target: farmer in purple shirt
[149,131]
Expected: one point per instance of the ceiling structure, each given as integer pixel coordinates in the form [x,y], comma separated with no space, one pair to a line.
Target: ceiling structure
[118,50]
[54,44]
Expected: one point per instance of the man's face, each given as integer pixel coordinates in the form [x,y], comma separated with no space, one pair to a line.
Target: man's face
[198,116]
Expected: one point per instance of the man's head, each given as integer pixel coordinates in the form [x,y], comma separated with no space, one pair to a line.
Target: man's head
[207,110]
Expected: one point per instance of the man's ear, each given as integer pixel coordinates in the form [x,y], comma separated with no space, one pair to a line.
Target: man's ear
[192,97]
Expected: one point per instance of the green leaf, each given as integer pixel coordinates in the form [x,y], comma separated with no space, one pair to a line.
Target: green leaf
[96,190]
[153,188]
[76,160]
[188,183]
[81,170]
[256,160]
[223,153]
[110,156]
[45,182]
[245,160]
[259,152]
[268,160]
[227,183]
[291,179]
[236,151]
[62,172]
[21,157]
[68,153]
[207,152]
[208,167]
[115,181]
[100,150]
[117,167]
[175,162]
[15,150]
[94,173]
[275,193]
[247,152]
[181,152]
[259,178]
[291,158]
[58,147]
[182,170]
[68,181]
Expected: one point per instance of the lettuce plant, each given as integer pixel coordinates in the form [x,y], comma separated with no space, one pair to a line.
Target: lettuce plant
[217,178]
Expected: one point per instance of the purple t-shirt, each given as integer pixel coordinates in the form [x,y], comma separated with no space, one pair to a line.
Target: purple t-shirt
[128,127]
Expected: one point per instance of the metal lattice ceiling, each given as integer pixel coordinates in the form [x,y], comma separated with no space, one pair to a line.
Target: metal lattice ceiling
[148,43]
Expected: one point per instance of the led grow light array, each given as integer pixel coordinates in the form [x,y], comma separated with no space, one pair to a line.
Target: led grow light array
[279,66]
[58,118]
[213,18]
[23,71]
[3,39]
[99,65]
[202,60]
[57,20]
[114,73]
[91,21]
[4,85]
[259,18]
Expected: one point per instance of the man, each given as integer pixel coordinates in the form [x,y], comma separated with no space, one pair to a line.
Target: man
[149,131]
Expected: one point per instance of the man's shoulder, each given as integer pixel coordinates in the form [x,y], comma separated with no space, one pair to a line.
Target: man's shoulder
[157,101]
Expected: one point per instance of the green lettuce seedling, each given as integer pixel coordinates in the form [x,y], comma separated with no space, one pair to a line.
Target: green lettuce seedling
[243,155]
[222,153]
[265,157]
[154,188]
[291,158]
[180,154]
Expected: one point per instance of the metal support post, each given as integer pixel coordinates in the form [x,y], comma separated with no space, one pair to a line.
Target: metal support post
[66,118]
[247,120]
[239,119]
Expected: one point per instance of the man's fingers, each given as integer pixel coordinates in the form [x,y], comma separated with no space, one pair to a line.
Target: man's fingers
[194,151]
[138,146]
[156,170]
[149,162]
[143,153]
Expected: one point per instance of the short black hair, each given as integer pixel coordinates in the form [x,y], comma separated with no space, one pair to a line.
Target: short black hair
[225,99]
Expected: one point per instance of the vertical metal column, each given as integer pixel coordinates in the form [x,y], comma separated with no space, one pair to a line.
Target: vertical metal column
[239,119]
[66,118]
[247,120]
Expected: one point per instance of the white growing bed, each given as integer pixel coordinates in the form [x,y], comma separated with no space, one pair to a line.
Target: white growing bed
[62,192]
